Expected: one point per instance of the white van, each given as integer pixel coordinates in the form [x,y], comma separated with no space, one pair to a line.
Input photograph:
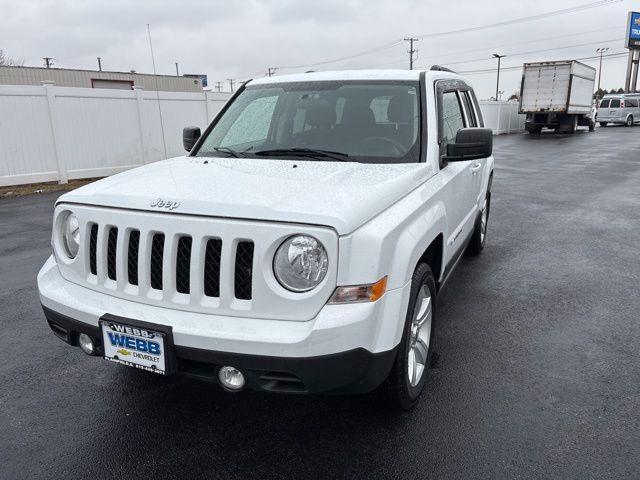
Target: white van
[621,108]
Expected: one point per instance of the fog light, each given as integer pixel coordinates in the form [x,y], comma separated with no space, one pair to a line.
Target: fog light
[231,378]
[86,344]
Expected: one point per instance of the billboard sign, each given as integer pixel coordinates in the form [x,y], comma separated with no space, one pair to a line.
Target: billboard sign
[633,31]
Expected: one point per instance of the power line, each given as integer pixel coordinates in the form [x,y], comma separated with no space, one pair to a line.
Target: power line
[599,3]
[386,46]
[153,62]
[517,67]
[504,47]
[348,57]
[535,51]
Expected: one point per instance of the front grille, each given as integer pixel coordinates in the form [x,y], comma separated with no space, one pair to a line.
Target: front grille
[132,257]
[183,265]
[112,243]
[145,262]
[244,271]
[212,267]
[93,247]
[157,254]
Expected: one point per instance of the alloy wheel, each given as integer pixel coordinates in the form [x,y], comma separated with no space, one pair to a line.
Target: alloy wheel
[420,336]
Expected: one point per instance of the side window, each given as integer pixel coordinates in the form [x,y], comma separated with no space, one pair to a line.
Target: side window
[252,124]
[631,102]
[468,107]
[452,118]
[615,103]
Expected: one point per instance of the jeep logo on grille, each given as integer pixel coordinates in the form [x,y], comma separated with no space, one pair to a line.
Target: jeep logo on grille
[168,204]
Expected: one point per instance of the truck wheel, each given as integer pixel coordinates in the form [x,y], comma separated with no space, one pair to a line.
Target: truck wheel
[603,124]
[535,130]
[480,230]
[629,122]
[592,126]
[405,382]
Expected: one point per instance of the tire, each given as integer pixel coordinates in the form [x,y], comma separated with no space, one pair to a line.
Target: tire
[401,389]
[604,124]
[535,130]
[592,126]
[629,122]
[479,236]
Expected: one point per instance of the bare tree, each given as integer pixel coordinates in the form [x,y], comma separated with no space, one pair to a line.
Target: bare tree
[8,61]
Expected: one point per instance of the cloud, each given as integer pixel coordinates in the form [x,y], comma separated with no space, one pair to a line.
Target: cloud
[235,39]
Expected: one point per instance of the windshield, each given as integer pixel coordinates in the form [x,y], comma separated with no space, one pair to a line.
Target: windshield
[372,122]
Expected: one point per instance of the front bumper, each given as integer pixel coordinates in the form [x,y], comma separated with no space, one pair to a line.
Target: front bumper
[344,349]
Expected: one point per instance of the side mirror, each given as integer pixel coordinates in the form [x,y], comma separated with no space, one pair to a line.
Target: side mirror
[471,144]
[190,136]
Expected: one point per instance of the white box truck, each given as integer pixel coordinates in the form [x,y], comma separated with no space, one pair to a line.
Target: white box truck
[557,95]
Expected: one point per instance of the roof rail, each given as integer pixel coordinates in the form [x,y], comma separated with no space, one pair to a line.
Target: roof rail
[438,68]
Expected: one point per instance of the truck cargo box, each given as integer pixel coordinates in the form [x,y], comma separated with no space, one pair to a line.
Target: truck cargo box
[561,87]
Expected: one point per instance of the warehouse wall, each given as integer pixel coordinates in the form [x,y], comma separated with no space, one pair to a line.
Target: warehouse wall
[83,78]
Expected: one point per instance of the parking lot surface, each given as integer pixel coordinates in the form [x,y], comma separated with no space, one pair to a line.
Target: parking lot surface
[538,371]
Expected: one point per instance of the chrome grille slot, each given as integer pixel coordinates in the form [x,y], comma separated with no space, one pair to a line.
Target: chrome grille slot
[183,265]
[112,242]
[157,253]
[212,256]
[243,278]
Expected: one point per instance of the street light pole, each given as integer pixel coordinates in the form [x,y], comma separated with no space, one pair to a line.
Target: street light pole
[499,57]
[601,51]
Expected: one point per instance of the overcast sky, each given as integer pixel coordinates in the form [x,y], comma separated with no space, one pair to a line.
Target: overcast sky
[241,38]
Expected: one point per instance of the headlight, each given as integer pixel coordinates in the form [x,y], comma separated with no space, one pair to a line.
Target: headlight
[300,263]
[71,235]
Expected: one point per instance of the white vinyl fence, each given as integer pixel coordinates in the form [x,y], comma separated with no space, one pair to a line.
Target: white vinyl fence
[50,133]
[502,117]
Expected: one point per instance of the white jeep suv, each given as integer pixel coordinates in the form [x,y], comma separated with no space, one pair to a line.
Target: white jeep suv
[299,247]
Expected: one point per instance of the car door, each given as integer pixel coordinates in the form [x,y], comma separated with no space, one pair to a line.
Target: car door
[460,183]
[472,119]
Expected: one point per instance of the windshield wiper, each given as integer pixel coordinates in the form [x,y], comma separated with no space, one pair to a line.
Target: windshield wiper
[230,151]
[304,152]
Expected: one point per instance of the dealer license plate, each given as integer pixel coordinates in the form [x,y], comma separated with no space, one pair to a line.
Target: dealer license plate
[134,346]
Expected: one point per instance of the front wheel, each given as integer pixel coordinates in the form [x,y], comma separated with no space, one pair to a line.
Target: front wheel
[402,388]
[476,244]
[604,124]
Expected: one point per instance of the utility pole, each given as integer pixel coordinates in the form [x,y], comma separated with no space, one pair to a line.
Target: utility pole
[601,51]
[219,86]
[499,57]
[231,82]
[177,71]
[271,71]
[99,64]
[411,50]
[48,61]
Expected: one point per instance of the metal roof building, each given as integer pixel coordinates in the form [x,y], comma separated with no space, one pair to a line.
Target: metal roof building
[64,77]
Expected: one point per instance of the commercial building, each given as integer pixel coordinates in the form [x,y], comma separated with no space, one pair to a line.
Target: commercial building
[64,77]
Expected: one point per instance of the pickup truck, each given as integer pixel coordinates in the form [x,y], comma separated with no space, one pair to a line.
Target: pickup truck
[299,246]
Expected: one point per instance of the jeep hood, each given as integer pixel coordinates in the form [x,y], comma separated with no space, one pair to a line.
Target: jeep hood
[342,195]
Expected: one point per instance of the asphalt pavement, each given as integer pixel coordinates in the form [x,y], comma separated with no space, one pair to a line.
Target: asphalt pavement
[538,372]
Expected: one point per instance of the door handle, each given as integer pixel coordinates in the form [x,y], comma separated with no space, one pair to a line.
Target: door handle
[475,168]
